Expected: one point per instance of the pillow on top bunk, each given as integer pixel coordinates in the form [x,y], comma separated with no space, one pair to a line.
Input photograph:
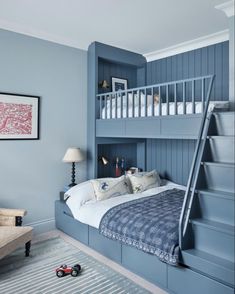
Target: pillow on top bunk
[155,99]
[110,187]
[79,195]
[144,181]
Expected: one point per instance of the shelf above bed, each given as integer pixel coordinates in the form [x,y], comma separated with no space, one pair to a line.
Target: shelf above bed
[173,127]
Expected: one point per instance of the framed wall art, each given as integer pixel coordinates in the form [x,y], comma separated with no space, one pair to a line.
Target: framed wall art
[19,117]
[119,84]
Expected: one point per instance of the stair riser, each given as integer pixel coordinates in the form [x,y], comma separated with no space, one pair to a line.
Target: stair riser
[222,150]
[216,209]
[213,242]
[219,177]
[224,124]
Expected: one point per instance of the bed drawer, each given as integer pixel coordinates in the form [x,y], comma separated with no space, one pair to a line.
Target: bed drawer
[143,128]
[66,223]
[107,247]
[110,128]
[145,265]
[183,125]
[185,281]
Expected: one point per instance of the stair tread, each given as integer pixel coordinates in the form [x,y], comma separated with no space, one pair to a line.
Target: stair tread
[217,226]
[227,164]
[207,257]
[218,193]
[220,137]
[224,113]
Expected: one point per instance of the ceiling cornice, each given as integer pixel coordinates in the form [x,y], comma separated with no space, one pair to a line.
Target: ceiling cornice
[188,46]
[39,34]
[227,8]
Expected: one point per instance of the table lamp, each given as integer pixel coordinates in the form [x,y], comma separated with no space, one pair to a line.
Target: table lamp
[72,155]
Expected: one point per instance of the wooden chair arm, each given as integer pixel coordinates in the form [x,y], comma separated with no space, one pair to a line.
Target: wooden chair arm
[12,212]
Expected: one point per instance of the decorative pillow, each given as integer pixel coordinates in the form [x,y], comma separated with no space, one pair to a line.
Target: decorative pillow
[79,195]
[144,181]
[110,187]
[155,99]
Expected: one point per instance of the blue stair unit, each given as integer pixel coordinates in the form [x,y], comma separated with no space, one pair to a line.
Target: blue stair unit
[209,246]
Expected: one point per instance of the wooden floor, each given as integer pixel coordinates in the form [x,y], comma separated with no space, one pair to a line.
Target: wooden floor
[115,266]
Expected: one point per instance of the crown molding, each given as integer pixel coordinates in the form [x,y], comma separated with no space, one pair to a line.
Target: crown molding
[188,46]
[227,8]
[39,34]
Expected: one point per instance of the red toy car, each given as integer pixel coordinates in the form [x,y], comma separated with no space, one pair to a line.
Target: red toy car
[65,270]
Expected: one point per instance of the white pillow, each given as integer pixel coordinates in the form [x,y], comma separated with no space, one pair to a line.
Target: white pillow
[144,181]
[110,187]
[79,195]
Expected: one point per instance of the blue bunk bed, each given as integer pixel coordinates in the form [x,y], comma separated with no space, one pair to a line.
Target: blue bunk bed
[184,123]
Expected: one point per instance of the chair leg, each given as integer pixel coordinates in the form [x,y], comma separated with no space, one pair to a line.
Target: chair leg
[27,248]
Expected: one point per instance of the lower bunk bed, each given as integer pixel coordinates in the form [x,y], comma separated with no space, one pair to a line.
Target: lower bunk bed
[173,279]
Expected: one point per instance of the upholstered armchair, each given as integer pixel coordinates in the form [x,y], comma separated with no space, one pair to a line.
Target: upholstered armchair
[12,234]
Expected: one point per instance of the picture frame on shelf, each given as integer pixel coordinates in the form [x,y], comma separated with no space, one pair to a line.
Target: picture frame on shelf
[119,84]
[19,117]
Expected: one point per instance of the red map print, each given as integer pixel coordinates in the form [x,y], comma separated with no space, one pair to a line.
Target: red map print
[15,119]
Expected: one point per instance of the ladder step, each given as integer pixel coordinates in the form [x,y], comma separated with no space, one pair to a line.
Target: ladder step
[219,164]
[217,193]
[217,176]
[213,225]
[221,148]
[213,237]
[224,123]
[216,206]
[209,264]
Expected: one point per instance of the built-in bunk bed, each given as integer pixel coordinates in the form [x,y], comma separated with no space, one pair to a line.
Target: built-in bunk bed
[176,128]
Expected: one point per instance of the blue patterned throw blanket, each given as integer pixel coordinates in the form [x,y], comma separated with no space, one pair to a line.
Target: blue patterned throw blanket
[149,224]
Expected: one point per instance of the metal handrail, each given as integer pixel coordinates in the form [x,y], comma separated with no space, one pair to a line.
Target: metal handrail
[195,167]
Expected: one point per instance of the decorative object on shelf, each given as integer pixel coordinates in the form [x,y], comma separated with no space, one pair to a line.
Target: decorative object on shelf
[119,84]
[19,117]
[117,168]
[104,160]
[123,167]
[104,84]
[132,170]
[72,155]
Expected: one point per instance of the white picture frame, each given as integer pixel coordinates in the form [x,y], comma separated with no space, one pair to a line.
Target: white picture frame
[119,84]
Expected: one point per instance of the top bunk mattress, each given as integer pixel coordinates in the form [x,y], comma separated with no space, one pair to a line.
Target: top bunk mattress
[154,110]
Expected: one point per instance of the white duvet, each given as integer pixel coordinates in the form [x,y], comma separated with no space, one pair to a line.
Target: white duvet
[91,212]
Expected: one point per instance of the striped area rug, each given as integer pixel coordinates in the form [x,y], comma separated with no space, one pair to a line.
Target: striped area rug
[36,274]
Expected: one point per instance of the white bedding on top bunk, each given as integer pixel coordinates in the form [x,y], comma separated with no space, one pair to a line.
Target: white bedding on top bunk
[180,109]
[92,211]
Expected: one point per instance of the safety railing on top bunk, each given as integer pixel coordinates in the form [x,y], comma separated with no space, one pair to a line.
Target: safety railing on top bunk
[186,96]
[195,168]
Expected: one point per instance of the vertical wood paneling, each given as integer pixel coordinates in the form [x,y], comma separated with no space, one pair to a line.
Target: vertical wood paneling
[213,59]
[111,152]
[107,70]
[171,158]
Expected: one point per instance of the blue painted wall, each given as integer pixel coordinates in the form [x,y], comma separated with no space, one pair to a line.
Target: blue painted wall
[213,59]
[31,172]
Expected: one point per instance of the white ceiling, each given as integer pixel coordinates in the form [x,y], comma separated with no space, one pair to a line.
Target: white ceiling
[139,25]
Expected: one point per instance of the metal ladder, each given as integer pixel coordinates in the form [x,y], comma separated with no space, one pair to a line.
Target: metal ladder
[195,168]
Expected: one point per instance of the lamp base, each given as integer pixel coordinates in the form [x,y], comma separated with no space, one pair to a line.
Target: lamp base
[72,185]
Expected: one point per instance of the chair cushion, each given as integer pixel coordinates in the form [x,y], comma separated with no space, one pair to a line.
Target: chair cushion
[13,237]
